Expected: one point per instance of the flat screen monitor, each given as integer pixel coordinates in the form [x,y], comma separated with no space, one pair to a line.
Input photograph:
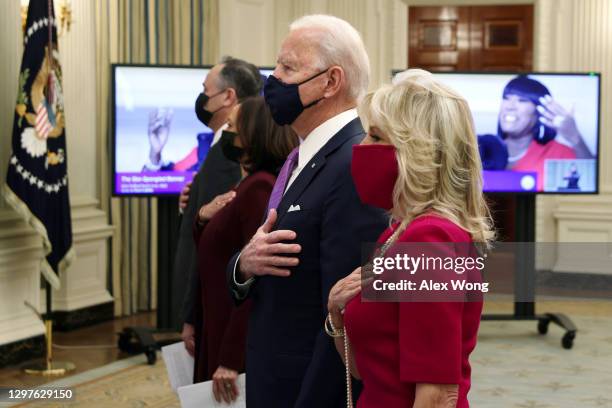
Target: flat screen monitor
[153,104]
[537,132]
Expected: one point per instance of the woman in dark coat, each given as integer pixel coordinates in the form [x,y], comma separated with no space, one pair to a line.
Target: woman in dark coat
[222,227]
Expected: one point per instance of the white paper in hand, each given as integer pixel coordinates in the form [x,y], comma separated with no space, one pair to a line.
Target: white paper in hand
[200,395]
[179,365]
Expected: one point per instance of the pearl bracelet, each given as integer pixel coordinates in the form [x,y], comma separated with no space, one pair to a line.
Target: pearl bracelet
[330,329]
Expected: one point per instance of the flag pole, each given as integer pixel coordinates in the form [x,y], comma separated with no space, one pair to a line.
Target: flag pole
[49,367]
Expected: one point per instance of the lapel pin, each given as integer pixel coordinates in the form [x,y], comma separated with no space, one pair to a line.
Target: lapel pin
[313,165]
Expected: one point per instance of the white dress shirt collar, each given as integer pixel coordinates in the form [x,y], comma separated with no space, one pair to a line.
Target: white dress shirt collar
[315,140]
[319,137]
[217,135]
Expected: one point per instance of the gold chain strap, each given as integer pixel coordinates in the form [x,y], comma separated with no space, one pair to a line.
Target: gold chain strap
[368,270]
[337,333]
[368,267]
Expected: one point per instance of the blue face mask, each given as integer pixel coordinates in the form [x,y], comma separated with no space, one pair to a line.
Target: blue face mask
[284,99]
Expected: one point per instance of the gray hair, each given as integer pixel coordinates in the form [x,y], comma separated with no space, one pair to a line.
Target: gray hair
[339,43]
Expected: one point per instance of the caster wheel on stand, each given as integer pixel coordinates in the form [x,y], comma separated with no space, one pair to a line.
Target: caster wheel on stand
[543,326]
[568,340]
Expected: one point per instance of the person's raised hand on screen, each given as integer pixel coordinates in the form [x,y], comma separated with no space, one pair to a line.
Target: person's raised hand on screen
[266,253]
[159,129]
[555,116]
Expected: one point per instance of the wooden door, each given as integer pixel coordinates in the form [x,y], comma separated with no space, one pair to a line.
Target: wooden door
[471,38]
[501,38]
[474,38]
[439,38]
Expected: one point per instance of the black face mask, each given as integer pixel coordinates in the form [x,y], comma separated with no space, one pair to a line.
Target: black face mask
[284,99]
[230,151]
[203,115]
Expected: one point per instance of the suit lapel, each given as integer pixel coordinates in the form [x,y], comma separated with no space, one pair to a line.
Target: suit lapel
[315,165]
[300,183]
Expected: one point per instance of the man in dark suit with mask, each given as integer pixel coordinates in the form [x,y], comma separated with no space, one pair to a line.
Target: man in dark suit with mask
[316,224]
[227,83]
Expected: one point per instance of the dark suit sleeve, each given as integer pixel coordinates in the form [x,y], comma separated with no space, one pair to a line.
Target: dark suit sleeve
[186,256]
[237,294]
[249,207]
[345,226]
[190,298]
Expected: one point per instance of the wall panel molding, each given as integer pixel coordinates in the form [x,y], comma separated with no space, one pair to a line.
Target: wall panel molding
[20,254]
[84,283]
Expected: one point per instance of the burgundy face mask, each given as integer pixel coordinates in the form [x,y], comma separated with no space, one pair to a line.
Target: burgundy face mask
[374,169]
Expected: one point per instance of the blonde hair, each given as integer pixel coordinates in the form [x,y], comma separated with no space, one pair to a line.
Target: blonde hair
[431,127]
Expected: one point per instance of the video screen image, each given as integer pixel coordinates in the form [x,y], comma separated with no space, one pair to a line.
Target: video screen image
[159,143]
[536,132]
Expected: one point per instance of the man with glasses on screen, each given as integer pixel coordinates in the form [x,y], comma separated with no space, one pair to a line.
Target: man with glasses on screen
[225,86]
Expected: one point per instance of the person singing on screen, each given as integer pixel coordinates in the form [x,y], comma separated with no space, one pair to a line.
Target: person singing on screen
[529,122]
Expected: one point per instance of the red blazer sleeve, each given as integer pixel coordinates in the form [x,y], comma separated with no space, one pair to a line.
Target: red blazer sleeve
[250,206]
[430,337]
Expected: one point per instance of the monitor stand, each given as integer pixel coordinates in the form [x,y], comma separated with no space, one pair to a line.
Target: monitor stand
[525,277]
[148,340]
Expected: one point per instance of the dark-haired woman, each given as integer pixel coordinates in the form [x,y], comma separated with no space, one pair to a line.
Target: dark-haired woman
[223,227]
[529,122]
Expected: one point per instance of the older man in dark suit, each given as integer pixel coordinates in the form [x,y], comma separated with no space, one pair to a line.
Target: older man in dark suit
[316,224]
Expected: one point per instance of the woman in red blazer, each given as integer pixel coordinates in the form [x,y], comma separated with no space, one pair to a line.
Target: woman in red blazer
[223,227]
[420,161]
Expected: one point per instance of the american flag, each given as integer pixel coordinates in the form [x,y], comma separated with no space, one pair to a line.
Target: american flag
[41,197]
[43,124]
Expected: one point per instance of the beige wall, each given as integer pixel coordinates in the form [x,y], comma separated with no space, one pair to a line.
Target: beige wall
[576,35]
[254,29]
